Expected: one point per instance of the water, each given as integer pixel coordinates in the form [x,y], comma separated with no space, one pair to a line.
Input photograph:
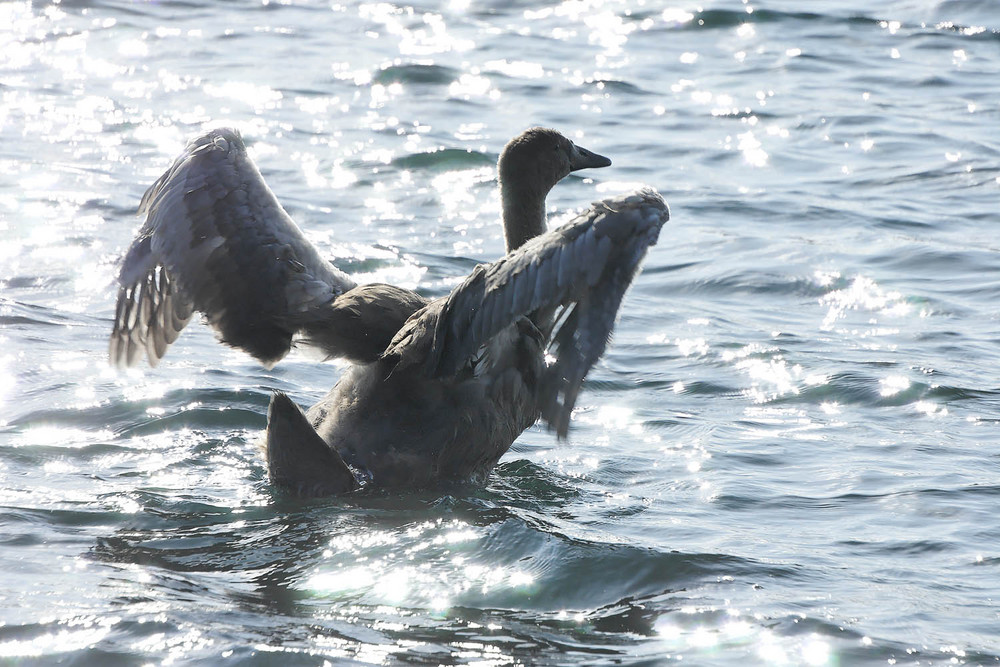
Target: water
[789,455]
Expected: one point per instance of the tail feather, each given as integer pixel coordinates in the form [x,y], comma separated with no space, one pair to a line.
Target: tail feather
[298,459]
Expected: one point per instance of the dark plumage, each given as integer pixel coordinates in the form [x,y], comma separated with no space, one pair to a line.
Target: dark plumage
[439,391]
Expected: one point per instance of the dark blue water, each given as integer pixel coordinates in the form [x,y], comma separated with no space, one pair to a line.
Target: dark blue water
[789,455]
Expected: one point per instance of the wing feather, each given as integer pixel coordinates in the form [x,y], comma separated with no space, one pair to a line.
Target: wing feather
[581,270]
[520,289]
[216,240]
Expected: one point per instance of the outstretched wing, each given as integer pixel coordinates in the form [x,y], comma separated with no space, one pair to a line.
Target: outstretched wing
[217,241]
[570,281]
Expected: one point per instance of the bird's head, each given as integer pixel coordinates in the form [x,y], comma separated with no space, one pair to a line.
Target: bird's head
[539,158]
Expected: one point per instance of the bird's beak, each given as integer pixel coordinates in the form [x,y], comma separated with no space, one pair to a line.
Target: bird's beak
[581,158]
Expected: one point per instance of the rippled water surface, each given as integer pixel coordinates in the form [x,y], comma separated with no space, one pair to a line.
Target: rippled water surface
[789,456]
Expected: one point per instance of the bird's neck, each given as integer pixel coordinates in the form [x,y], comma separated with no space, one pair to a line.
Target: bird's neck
[523,214]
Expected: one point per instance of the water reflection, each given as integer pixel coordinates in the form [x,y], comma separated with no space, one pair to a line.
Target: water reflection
[430,565]
[7,378]
[259,97]
[575,552]
[406,583]
[82,633]
[693,633]
[864,295]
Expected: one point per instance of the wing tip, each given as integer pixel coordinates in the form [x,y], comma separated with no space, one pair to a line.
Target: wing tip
[222,138]
[644,197]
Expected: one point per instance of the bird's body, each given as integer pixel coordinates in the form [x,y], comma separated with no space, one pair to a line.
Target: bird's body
[439,390]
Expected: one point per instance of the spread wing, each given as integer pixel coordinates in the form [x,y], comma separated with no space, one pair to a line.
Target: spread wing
[217,241]
[570,281]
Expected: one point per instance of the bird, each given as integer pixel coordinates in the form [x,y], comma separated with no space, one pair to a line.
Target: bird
[437,390]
